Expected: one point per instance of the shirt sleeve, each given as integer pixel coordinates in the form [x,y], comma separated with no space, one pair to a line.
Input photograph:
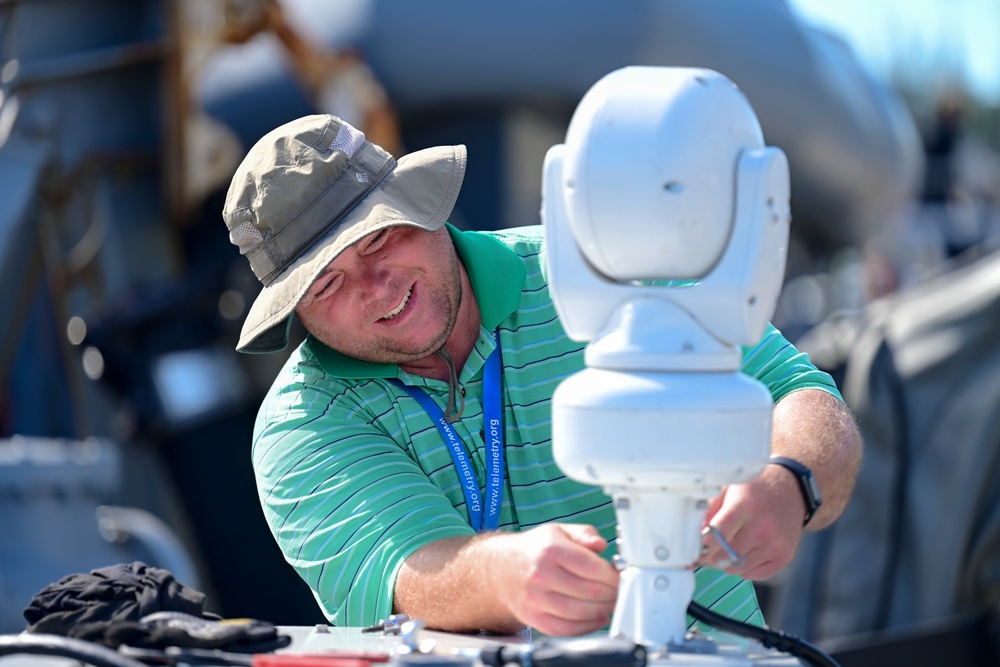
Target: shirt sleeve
[346,503]
[784,369]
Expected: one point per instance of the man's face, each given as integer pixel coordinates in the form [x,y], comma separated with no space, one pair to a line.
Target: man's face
[392,297]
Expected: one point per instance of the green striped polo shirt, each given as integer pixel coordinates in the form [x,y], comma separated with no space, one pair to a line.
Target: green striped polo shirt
[353,475]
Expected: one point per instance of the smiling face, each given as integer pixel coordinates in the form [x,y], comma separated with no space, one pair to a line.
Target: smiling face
[392,297]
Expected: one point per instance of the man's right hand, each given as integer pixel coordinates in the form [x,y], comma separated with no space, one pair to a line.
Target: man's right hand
[555,580]
[551,578]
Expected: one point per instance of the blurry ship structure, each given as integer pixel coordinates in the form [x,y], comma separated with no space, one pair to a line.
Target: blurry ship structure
[121,122]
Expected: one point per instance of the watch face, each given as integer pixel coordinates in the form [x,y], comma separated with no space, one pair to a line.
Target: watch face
[813,490]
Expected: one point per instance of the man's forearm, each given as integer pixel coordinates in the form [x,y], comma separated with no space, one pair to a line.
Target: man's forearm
[447,584]
[551,577]
[816,429]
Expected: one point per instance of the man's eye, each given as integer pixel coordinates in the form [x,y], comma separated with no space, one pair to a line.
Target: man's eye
[324,287]
[377,241]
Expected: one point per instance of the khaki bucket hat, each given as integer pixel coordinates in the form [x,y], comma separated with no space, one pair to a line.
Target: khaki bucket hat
[309,189]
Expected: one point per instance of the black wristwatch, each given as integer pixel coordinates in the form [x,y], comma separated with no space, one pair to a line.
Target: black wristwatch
[807,484]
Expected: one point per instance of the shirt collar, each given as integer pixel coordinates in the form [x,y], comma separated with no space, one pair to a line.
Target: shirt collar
[497,276]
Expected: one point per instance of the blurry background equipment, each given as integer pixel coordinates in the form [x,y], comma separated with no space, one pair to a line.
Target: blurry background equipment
[120,123]
[917,552]
[58,517]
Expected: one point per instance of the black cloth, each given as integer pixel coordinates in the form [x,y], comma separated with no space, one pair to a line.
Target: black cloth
[141,606]
[124,592]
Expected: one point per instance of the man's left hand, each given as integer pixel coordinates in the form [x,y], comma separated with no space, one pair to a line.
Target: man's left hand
[762,522]
[762,519]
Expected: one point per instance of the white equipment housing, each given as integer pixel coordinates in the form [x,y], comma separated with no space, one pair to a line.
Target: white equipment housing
[664,176]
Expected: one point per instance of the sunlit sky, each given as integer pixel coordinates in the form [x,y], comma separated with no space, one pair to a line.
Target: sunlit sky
[935,41]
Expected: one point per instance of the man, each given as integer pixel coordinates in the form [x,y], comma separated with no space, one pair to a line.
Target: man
[370,450]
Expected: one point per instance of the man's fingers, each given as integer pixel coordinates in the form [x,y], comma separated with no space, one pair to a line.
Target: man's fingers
[571,606]
[584,535]
[587,576]
[576,609]
[563,565]
[576,575]
[760,570]
[586,566]
[556,626]
[756,563]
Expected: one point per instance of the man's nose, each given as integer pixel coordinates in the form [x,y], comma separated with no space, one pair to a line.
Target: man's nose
[374,276]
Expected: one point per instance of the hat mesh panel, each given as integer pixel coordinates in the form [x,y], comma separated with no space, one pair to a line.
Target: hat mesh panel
[348,139]
[246,237]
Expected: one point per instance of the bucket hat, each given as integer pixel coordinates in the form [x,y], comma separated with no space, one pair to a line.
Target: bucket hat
[309,189]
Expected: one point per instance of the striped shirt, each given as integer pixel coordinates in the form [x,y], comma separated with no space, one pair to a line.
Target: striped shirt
[353,475]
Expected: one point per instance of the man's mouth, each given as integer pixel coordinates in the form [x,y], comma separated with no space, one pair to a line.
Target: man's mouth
[398,309]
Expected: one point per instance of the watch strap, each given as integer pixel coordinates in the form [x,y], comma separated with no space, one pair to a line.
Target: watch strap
[807,484]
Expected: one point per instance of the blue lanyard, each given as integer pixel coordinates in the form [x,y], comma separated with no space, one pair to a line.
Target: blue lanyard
[492,433]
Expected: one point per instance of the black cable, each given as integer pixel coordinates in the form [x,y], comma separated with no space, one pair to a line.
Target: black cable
[65,647]
[776,639]
[580,652]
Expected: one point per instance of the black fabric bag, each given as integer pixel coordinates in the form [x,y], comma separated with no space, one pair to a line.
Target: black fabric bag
[145,607]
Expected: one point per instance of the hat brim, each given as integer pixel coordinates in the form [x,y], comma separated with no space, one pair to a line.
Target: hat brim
[420,192]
